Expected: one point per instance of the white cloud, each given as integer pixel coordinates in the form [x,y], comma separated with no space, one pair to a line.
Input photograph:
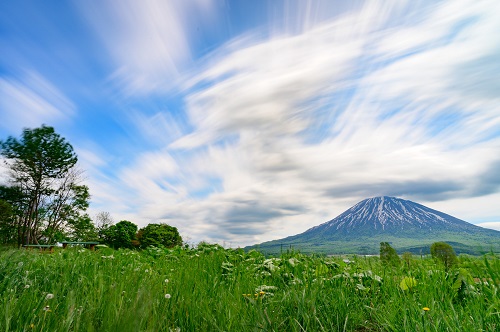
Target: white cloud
[492,225]
[148,41]
[160,128]
[277,152]
[31,101]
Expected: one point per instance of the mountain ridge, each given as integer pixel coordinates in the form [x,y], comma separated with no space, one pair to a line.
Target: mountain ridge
[406,224]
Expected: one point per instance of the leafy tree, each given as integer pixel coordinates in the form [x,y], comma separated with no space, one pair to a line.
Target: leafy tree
[103,221]
[17,201]
[7,227]
[82,229]
[121,235]
[64,208]
[444,252]
[159,235]
[41,165]
[388,254]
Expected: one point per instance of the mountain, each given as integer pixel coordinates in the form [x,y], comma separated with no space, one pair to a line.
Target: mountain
[407,225]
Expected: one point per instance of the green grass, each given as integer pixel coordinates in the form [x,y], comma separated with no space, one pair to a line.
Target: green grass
[213,289]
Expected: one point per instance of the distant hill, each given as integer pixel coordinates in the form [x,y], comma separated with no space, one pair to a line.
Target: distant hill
[407,225]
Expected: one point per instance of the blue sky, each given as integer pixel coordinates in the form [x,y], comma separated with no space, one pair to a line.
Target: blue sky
[245,121]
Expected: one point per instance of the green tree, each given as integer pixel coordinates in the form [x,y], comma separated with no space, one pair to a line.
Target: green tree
[103,221]
[388,254]
[65,208]
[159,235]
[444,252]
[40,163]
[121,235]
[82,229]
[7,225]
[17,201]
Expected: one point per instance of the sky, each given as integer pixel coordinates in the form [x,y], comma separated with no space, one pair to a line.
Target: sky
[240,121]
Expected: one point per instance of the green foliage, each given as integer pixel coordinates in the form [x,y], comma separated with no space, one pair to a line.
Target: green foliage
[209,288]
[82,229]
[46,193]
[463,285]
[103,221]
[407,256]
[159,235]
[40,154]
[443,252]
[407,283]
[7,226]
[388,254]
[121,235]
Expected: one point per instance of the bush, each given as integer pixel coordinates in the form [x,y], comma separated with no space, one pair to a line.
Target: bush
[159,235]
[443,252]
[388,254]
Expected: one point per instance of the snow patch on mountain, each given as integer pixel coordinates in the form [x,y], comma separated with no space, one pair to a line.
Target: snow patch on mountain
[386,213]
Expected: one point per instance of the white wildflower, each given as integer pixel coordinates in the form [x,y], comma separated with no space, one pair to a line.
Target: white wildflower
[167,296]
[26,286]
[167,281]
[49,296]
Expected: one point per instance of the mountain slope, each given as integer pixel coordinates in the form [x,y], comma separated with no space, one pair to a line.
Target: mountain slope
[409,226]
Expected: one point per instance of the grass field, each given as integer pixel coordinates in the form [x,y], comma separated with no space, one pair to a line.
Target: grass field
[209,288]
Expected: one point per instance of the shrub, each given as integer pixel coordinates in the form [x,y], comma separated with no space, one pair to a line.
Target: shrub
[159,235]
[388,254]
[444,252]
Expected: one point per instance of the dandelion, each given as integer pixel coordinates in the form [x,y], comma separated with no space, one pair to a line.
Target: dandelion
[167,296]
[49,296]
[262,293]
[46,308]
[146,271]
[426,309]
[26,286]
[167,281]
[32,326]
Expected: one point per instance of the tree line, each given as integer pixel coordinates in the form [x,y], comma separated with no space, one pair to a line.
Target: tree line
[44,199]
[440,251]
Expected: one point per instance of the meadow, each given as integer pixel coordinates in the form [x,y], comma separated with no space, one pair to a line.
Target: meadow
[209,288]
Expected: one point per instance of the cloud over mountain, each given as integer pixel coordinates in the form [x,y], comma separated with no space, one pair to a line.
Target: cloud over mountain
[245,122]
